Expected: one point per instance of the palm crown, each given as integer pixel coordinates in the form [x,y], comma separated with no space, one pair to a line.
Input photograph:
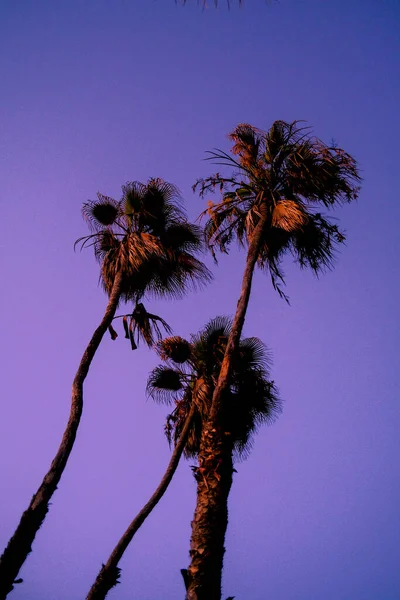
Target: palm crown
[146,239]
[285,173]
[190,373]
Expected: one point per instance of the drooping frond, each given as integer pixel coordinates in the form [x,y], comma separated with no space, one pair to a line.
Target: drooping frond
[315,245]
[183,237]
[174,274]
[146,326]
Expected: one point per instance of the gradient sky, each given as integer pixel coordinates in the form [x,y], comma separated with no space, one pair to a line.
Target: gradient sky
[95,93]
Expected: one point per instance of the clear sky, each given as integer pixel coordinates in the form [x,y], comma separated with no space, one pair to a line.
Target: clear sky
[95,93]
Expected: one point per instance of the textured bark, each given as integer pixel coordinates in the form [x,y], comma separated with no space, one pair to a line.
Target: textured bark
[20,545]
[109,573]
[214,480]
[240,315]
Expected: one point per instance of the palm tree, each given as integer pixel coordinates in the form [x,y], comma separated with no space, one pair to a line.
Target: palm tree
[187,379]
[251,400]
[144,245]
[269,205]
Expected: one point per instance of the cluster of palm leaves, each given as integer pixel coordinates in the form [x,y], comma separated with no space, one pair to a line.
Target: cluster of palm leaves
[189,375]
[283,176]
[217,382]
[146,240]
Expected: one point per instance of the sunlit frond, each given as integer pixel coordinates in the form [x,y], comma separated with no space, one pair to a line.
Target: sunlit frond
[289,216]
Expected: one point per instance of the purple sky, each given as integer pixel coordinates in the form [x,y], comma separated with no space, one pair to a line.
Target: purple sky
[95,93]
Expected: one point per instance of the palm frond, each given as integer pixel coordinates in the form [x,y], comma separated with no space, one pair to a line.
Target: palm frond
[253,354]
[100,213]
[183,237]
[210,343]
[175,274]
[146,326]
[315,246]
[289,216]
[174,348]
[255,402]
[164,384]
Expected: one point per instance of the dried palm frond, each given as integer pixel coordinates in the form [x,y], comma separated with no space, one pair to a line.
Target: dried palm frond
[174,348]
[289,216]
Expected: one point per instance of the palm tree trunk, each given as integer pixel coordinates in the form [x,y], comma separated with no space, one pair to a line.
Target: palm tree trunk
[240,315]
[20,544]
[214,480]
[110,572]
[203,578]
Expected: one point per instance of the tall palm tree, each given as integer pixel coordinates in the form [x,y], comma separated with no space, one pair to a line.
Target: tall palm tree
[144,245]
[269,204]
[251,400]
[187,379]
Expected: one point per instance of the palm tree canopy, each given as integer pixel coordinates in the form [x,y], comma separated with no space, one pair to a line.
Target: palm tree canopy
[190,372]
[146,237]
[288,173]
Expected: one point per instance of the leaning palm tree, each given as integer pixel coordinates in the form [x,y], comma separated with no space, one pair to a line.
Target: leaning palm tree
[187,379]
[269,204]
[144,245]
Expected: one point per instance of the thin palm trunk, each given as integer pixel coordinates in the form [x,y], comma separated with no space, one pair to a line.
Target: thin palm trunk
[214,480]
[109,573]
[211,516]
[240,315]
[20,545]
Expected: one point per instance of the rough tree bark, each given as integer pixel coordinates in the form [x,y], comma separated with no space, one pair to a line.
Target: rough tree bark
[214,480]
[20,545]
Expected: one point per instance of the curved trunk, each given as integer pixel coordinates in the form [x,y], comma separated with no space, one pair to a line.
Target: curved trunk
[20,544]
[109,573]
[240,315]
[214,480]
